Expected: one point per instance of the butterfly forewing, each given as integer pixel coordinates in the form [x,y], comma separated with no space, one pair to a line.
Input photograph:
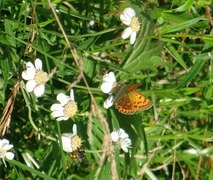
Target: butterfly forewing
[139,101]
[133,87]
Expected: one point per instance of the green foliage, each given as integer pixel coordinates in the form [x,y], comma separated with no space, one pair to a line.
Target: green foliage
[79,42]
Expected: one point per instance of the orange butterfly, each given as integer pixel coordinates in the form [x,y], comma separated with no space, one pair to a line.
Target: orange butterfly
[128,101]
[79,154]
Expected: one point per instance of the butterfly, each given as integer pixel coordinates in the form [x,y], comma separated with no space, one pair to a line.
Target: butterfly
[128,101]
[79,154]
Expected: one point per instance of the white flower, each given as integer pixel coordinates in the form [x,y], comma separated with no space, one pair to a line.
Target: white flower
[36,77]
[66,108]
[128,18]
[71,141]
[121,139]
[109,81]
[4,147]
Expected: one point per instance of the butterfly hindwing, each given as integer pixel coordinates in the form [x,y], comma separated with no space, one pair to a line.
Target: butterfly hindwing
[124,105]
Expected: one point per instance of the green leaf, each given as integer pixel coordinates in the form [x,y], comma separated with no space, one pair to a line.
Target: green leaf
[199,63]
[209,92]
[208,39]
[89,69]
[31,170]
[188,4]
[176,55]
[10,32]
[179,26]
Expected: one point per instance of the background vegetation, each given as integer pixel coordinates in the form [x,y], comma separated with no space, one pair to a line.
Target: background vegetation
[79,41]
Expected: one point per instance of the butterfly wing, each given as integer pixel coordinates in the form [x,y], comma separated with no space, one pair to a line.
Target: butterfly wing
[139,101]
[78,154]
[133,87]
[133,101]
[124,105]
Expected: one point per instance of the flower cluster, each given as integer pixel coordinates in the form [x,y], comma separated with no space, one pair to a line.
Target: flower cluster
[67,107]
[64,110]
[37,78]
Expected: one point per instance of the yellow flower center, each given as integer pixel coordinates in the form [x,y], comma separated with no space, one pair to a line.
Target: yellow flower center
[115,84]
[135,24]
[70,108]
[41,77]
[2,153]
[76,142]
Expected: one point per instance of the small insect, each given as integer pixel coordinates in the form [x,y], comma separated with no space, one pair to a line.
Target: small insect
[79,154]
[128,101]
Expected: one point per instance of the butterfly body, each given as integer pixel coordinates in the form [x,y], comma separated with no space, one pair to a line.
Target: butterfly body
[128,101]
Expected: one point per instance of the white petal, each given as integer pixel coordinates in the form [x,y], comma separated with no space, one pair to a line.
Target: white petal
[68,136]
[125,149]
[38,64]
[30,65]
[74,129]
[66,142]
[56,107]
[125,19]
[114,136]
[31,84]
[127,16]
[109,102]
[58,113]
[126,33]
[110,78]
[106,87]
[129,12]
[3,143]
[39,90]
[62,98]
[133,37]
[62,118]
[122,134]
[9,155]
[72,95]
[108,82]
[7,147]
[127,142]
[29,74]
